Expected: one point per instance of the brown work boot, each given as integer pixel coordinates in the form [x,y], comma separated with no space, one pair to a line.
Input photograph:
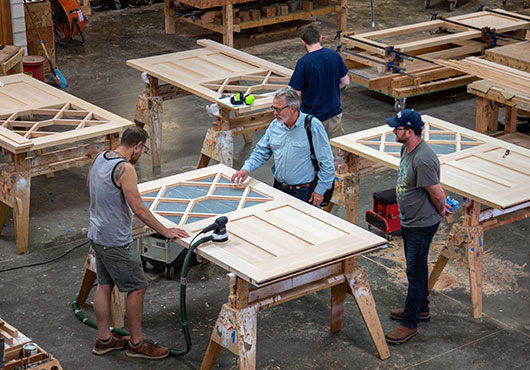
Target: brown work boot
[146,349]
[396,313]
[401,334]
[115,342]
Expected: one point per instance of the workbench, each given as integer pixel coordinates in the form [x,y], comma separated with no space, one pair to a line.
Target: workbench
[225,21]
[44,130]
[279,249]
[15,358]
[11,60]
[214,72]
[484,170]
[401,62]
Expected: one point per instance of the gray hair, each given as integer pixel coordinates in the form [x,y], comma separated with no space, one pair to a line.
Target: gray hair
[291,97]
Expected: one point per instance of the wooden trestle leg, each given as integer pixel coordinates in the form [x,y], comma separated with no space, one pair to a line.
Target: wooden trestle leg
[4,212]
[22,183]
[465,244]
[359,288]
[236,326]
[118,298]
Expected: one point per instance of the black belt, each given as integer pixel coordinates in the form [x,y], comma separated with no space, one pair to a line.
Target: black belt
[293,187]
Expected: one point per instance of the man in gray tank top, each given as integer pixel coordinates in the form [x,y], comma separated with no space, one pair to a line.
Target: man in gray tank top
[114,193]
[421,202]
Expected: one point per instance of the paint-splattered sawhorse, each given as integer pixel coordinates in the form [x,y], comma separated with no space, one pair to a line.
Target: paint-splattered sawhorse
[237,325]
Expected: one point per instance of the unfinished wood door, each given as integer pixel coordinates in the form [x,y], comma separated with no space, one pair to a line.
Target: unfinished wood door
[472,164]
[271,234]
[34,115]
[217,70]
[489,172]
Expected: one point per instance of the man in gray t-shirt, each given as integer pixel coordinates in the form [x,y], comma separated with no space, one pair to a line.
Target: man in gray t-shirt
[417,169]
[421,202]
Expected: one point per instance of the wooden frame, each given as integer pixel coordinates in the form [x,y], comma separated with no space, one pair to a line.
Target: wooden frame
[228,27]
[35,119]
[224,71]
[14,355]
[483,169]
[266,254]
[399,62]
[13,64]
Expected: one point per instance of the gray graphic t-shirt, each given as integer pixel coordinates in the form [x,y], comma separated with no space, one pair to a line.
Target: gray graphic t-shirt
[417,169]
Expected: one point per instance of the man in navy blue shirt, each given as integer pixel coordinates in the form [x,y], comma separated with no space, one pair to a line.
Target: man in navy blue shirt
[318,77]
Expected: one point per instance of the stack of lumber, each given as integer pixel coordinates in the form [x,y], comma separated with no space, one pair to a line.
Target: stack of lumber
[494,72]
[514,55]
[7,332]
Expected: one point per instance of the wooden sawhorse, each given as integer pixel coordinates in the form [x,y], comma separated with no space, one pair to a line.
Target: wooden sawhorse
[15,179]
[236,327]
[466,243]
[489,96]
[219,141]
[118,299]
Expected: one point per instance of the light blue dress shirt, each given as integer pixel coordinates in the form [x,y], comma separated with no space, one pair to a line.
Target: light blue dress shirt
[292,154]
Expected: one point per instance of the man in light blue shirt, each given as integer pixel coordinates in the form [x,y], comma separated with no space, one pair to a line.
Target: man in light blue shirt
[286,139]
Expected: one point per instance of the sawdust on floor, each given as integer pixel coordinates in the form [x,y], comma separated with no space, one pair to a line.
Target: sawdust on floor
[499,275]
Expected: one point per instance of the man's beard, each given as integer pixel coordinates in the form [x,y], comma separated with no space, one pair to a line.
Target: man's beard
[134,159]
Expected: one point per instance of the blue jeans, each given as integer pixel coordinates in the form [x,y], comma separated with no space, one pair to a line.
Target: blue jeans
[416,241]
[303,194]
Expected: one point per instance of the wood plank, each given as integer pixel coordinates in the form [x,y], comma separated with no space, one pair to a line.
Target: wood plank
[515,55]
[288,17]
[502,75]
[6,24]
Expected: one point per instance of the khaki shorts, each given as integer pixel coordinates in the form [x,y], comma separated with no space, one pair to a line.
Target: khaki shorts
[121,266]
[333,128]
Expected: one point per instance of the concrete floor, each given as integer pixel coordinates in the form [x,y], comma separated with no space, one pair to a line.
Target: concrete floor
[295,335]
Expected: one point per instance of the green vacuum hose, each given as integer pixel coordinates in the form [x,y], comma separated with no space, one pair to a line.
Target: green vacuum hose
[183,315]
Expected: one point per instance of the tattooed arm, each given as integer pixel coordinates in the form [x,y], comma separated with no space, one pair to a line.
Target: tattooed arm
[125,177]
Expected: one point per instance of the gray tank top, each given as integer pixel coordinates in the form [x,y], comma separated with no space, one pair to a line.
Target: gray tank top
[110,215]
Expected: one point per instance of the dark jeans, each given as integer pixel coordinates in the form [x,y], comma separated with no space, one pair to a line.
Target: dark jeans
[416,241]
[303,194]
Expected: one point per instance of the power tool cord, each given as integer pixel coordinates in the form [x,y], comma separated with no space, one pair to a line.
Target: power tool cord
[45,262]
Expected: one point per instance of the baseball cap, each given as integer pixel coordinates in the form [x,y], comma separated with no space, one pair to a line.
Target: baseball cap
[408,118]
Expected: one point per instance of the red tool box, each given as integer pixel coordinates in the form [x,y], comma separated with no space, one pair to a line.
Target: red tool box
[385,213]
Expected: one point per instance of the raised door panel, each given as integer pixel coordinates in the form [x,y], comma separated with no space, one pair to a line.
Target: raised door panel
[271,234]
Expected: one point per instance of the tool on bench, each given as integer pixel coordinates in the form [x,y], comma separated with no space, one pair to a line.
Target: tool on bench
[219,235]
[56,74]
